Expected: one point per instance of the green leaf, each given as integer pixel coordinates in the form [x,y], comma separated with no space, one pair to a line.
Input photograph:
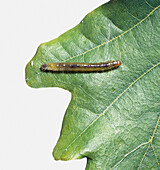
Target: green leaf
[113,118]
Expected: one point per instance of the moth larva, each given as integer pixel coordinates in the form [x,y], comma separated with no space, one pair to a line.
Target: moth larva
[80,67]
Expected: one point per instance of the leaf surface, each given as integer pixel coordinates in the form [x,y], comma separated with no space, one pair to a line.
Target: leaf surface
[113,118]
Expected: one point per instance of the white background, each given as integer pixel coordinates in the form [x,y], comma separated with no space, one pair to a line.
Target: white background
[30,119]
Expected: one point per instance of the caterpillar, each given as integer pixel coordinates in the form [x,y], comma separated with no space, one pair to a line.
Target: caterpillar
[80,67]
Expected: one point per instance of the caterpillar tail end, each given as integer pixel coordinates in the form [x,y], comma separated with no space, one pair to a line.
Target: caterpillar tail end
[43,67]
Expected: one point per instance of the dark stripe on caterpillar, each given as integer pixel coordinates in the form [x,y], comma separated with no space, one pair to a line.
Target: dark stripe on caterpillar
[80,67]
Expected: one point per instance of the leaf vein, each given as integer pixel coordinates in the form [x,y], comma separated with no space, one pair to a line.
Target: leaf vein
[155,155]
[115,37]
[150,144]
[143,157]
[129,154]
[102,114]
[148,3]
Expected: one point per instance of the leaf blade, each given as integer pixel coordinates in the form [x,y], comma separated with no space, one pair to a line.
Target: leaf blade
[87,110]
